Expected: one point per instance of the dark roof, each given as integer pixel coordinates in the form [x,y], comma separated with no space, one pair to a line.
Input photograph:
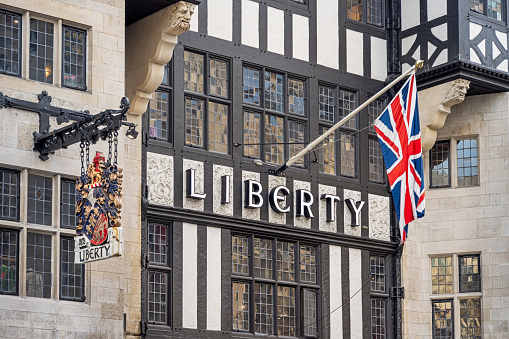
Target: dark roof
[138,9]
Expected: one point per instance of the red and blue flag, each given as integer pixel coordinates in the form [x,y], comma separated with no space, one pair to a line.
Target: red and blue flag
[399,133]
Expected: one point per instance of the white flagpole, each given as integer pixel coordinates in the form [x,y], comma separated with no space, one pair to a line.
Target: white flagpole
[311,145]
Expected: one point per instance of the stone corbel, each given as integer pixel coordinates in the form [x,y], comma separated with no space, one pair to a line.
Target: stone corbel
[435,105]
[149,46]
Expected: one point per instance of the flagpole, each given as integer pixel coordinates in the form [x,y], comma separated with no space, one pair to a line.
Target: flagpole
[311,145]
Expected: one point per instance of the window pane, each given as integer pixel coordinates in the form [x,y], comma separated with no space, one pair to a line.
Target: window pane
[327,153]
[9,192]
[375,108]
[347,154]
[470,273]
[218,127]
[10,43]
[264,308]
[286,311]
[251,82]
[468,171]
[157,243]
[378,274]
[274,139]
[439,157]
[240,252]
[310,313]
[68,204]
[167,75]
[378,330]
[41,51]
[74,57]
[193,72]
[39,200]
[8,261]
[240,318]
[376,161]
[157,297]
[477,5]
[495,9]
[219,77]
[441,275]
[194,122]
[71,274]
[262,259]
[326,102]
[442,320]
[346,103]
[285,261]
[354,10]
[470,318]
[251,134]
[296,139]
[274,91]
[374,12]
[38,279]
[296,96]
[308,264]
[158,115]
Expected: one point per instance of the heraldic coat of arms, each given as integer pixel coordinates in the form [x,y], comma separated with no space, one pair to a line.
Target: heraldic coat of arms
[98,201]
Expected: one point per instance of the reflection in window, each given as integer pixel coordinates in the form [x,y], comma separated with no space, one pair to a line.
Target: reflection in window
[264,308]
[274,91]
[296,140]
[354,10]
[326,103]
[327,153]
[218,77]
[193,72]
[262,260]
[10,43]
[158,112]
[240,259]
[285,260]
[194,122]
[477,5]
[251,134]
[310,314]
[40,197]
[470,318]
[274,139]
[296,96]
[374,12]
[346,103]
[442,319]
[308,264]
[157,240]
[38,278]
[157,297]
[376,161]
[495,9]
[439,155]
[441,275]
[347,154]
[378,318]
[68,204]
[72,276]
[286,311]
[8,261]
[468,174]
[240,319]
[218,127]
[9,191]
[251,81]
[470,275]
[74,58]
[377,274]
[41,51]
[375,108]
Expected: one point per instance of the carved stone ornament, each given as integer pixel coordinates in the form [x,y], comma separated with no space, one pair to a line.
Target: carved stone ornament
[149,46]
[379,217]
[434,112]
[160,179]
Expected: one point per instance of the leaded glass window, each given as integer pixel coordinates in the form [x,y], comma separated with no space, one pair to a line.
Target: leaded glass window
[378,321]
[240,293]
[469,273]
[377,273]
[262,260]
[375,109]
[40,195]
[73,74]
[441,275]
[219,77]
[347,104]
[72,276]
[477,5]
[158,109]
[285,261]
[310,312]
[286,311]
[296,96]
[374,12]
[354,10]
[439,163]
[348,152]
[264,303]
[194,122]
[218,127]
[194,72]
[9,261]
[158,297]
[495,9]
[251,81]
[470,318]
[308,264]
[9,192]
[38,265]
[240,259]
[468,170]
[68,204]
[157,244]
[327,153]
[41,51]
[274,91]
[296,132]
[443,319]
[326,103]
[376,161]
[251,134]
[10,43]
[274,139]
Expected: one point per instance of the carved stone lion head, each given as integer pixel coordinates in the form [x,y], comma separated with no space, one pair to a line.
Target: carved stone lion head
[454,92]
[180,17]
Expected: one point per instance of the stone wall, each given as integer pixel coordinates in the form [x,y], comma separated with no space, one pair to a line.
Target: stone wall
[112,285]
[463,220]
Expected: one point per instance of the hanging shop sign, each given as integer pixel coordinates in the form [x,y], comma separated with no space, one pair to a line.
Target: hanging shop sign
[98,206]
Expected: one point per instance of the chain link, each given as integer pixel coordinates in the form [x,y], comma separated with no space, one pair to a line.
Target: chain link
[87,144]
[115,139]
[82,156]
[110,142]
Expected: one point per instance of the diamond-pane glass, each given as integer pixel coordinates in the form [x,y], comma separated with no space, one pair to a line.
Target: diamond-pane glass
[441,275]
[470,318]
[68,204]
[41,51]
[286,311]
[326,102]
[240,255]
[296,96]
[251,134]
[251,80]
[274,139]
[193,72]
[442,320]
[378,330]
[240,318]
[219,77]
[71,274]
[194,122]
[262,259]
[296,140]
[285,258]
[158,294]
[468,170]
[38,265]
[9,192]
[274,91]
[470,273]
[439,158]
[308,264]
[264,305]
[8,261]
[10,43]
[158,115]
[218,127]
[74,58]
[39,200]
[327,153]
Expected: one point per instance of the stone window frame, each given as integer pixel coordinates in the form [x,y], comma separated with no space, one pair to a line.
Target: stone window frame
[299,286]
[456,296]
[453,162]
[58,46]
[54,230]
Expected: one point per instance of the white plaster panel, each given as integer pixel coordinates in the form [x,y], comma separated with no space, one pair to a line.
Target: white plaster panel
[220,14]
[327,40]
[407,43]
[475,29]
[160,179]
[355,265]
[349,229]
[213,278]
[502,37]
[300,37]
[250,23]
[194,20]
[354,52]
[441,58]
[474,57]
[198,166]
[300,221]
[327,226]
[379,217]
[249,213]
[218,208]
[336,293]
[496,51]
[503,66]
[410,15]
[436,9]
[189,276]
[440,32]
[275,217]
[275,30]
[378,59]
[431,49]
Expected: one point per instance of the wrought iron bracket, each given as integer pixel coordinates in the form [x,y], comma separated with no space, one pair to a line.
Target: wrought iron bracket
[85,127]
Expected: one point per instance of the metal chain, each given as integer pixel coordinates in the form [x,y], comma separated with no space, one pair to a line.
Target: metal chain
[110,142]
[87,144]
[82,156]
[115,139]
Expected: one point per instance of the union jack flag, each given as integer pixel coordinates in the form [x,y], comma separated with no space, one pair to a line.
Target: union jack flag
[399,134]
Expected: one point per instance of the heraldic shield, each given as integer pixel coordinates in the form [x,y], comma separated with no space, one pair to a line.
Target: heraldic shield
[98,200]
